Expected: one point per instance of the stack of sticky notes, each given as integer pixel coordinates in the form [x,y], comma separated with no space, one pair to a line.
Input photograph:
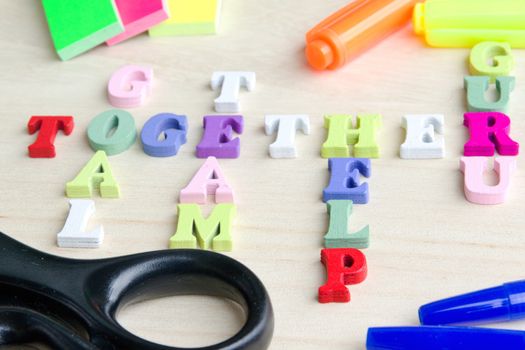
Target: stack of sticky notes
[77,26]
[138,16]
[190,17]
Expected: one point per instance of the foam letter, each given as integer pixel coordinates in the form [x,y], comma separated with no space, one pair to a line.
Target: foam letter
[341,134]
[130,86]
[44,146]
[231,82]
[338,235]
[498,53]
[286,126]
[95,174]
[476,190]
[217,139]
[213,232]
[344,182]
[74,234]
[112,131]
[489,131]
[163,134]
[421,142]
[208,180]
[344,266]
[476,88]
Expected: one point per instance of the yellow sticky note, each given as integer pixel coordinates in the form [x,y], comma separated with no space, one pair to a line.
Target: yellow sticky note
[190,17]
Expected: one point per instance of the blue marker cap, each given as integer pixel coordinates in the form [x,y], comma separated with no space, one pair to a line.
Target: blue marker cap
[504,303]
[439,338]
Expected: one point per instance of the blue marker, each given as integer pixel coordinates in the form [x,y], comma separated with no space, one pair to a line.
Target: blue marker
[444,338]
[503,303]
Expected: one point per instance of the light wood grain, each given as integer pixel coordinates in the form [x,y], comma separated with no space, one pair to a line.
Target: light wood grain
[428,242]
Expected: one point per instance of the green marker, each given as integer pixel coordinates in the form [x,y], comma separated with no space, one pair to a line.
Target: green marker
[465,23]
[77,26]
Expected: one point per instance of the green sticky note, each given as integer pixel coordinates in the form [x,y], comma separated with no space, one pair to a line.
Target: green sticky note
[79,25]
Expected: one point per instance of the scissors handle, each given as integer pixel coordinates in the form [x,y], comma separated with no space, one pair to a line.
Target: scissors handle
[21,325]
[72,304]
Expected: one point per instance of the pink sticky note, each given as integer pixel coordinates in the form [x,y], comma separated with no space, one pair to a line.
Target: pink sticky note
[138,16]
[208,180]
[130,86]
[476,190]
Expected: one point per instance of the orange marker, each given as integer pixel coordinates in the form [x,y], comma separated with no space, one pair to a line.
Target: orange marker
[354,29]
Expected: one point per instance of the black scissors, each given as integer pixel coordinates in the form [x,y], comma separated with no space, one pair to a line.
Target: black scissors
[71,304]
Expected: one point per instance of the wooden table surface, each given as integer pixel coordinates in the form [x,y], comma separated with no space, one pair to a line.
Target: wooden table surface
[427,241]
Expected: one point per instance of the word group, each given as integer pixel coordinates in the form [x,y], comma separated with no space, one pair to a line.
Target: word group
[114,131]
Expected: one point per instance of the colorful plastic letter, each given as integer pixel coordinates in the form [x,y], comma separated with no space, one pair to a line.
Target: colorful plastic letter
[338,235]
[489,131]
[498,54]
[217,139]
[48,128]
[231,82]
[344,181]
[341,134]
[209,180]
[163,134]
[476,88]
[195,17]
[79,25]
[130,86]
[112,131]
[138,16]
[213,232]
[286,126]
[95,174]
[336,144]
[344,266]
[476,191]
[74,234]
[421,141]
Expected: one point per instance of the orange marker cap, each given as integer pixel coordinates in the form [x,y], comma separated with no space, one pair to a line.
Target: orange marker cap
[354,29]
[320,54]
